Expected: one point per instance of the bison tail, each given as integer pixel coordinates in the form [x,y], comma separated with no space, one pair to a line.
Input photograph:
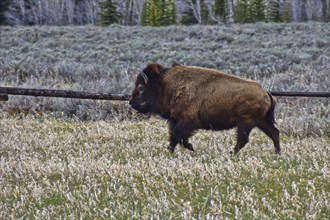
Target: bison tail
[271,111]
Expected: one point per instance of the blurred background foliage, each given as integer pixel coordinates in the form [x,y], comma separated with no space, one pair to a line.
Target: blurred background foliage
[160,12]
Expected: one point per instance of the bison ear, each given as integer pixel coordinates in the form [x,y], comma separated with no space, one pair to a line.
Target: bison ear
[152,72]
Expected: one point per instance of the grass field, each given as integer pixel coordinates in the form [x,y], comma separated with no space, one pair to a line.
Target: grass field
[84,159]
[55,169]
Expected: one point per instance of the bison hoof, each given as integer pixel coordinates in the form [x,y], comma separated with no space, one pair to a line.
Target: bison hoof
[170,149]
[233,152]
[189,147]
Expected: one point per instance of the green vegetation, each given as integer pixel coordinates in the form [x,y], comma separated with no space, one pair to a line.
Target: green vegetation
[109,13]
[249,11]
[278,11]
[221,9]
[159,13]
[169,12]
[4,7]
[258,8]
[152,13]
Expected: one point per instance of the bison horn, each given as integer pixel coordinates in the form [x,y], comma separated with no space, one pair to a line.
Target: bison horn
[145,77]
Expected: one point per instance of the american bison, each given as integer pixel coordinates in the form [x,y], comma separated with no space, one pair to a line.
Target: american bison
[192,98]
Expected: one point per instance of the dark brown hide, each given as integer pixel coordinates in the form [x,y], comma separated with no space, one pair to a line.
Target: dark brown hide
[192,98]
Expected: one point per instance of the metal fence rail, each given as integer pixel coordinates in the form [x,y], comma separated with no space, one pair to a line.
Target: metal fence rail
[5,91]
[301,94]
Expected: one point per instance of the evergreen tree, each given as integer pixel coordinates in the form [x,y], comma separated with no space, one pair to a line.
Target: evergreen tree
[205,13]
[143,20]
[250,11]
[109,13]
[172,11]
[4,7]
[152,13]
[159,13]
[168,13]
[273,11]
[279,11]
[287,12]
[257,12]
[242,11]
[221,9]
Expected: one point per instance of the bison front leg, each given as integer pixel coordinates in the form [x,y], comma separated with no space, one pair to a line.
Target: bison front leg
[173,139]
[173,143]
[187,145]
[179,134]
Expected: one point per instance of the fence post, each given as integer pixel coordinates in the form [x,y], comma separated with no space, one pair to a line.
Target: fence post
[3,97]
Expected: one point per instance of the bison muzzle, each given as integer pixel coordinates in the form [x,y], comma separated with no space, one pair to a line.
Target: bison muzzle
[192,98]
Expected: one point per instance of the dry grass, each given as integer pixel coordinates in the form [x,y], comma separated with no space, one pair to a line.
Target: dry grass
[56,169]
[83,159]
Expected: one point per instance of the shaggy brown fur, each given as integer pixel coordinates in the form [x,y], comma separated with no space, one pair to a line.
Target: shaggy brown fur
[192,98]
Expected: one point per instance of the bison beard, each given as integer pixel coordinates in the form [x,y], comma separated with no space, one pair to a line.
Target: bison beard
[192,98]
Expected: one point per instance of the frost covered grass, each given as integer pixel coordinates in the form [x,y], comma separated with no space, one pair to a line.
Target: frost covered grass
[282,57]
[57,169]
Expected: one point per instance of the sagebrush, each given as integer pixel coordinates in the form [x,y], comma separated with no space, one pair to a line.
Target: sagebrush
[282,57]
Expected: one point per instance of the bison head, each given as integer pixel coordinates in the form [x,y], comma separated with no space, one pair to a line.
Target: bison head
[145,94]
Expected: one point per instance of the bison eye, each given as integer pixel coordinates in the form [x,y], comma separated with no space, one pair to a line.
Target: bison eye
[140,88]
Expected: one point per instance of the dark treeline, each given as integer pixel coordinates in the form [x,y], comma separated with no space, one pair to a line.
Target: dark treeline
[160,12]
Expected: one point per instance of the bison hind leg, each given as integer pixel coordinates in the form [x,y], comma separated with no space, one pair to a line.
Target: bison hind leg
[271,131]
[243,132]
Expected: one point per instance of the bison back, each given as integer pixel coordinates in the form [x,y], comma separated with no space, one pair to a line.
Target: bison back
[213,99]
